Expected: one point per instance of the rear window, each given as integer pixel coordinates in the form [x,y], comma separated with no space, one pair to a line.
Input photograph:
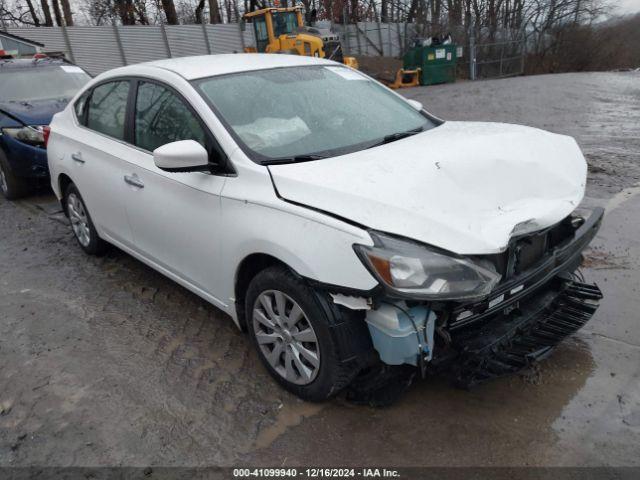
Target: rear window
[42,83]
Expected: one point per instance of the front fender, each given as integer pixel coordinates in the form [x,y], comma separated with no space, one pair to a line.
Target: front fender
[313,245]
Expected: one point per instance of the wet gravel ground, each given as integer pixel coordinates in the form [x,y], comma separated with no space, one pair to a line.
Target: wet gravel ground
[105,362]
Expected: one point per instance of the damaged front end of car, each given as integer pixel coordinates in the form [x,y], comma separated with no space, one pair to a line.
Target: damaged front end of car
[478,318]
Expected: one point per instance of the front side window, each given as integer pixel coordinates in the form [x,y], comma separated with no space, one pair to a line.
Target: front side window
[161,117]
[315,110]
[108,108]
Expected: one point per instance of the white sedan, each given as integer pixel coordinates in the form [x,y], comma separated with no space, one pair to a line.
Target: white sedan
[349,231]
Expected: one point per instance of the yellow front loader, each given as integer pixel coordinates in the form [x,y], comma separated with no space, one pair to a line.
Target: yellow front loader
[282,30]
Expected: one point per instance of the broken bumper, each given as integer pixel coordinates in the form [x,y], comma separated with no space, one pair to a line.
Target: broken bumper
[565,258]
[526,317]
[511,342]
[519,323]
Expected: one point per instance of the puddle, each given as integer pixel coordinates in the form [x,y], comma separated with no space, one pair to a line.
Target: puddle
[601,423]
[504,422]
[289,416]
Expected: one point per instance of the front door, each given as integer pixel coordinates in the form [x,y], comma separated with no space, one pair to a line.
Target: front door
[175,217]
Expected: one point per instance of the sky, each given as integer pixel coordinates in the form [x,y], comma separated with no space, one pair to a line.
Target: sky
[627,6]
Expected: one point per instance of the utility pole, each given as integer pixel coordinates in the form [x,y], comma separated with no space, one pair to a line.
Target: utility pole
[472,51]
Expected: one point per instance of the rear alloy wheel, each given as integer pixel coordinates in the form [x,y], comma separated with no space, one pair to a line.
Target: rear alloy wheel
[291,328]
[286,338]
[81,224]
[3,181]
[79,220]
[11,186]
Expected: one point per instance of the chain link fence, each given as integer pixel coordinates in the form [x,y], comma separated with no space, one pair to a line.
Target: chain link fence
[495,59]
[482,57]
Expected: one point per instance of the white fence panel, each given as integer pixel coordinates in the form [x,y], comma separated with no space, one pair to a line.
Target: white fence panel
[186,40]
[51,37]
[95,48]
[396,31]
[226,38]
[143,43]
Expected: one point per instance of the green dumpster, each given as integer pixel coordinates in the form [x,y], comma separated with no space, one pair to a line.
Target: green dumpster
[437,63]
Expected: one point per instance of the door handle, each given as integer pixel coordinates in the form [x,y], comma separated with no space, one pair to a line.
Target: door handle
[77,157]
[134,180]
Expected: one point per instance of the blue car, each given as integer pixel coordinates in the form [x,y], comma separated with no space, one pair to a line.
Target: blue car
[31,92]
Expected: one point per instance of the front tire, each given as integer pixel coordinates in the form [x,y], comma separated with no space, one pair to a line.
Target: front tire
[12,187]
[81,223]
[291,333]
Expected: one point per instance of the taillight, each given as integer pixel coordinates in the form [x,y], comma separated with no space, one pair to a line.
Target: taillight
[46,131]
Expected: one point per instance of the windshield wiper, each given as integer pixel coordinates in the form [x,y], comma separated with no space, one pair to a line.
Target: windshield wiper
[397,136]
[294,159]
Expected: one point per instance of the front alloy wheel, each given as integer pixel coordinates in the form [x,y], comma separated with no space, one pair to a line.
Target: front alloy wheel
[285,337]
[291,326]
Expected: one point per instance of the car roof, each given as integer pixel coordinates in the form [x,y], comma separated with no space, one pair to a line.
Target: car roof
[24,63]
[192,68]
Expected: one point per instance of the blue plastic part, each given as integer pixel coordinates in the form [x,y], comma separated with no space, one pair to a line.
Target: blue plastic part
[394,335]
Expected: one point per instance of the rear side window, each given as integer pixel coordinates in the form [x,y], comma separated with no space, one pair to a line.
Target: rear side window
[108,108]
[162,117]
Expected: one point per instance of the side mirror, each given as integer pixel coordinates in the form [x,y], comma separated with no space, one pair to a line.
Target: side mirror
[182,156]
[415,104]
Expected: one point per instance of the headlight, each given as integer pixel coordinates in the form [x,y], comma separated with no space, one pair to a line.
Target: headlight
[31,135]
[411,268]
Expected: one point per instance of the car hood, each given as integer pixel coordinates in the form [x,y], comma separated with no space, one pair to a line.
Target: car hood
[34,112]
[466,187]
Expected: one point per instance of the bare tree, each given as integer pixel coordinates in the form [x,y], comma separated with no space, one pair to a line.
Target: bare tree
[125,11]
[46,12]
[199,10]
[66,9]
[140,9]
[14,14]
[32,12]
[56,13]
[169,9]
[214,12]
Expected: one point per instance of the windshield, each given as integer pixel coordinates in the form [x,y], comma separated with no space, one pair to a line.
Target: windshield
[303,111]
[284,23]
[43,83]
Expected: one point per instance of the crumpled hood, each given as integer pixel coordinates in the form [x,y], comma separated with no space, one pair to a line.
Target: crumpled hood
[34,112]
[466,187]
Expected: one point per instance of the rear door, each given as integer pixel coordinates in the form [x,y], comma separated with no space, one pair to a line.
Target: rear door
[175,217]
[95,154]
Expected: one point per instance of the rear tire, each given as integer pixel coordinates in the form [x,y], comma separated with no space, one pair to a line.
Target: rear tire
[81,223]
[295,346]
[12,187]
